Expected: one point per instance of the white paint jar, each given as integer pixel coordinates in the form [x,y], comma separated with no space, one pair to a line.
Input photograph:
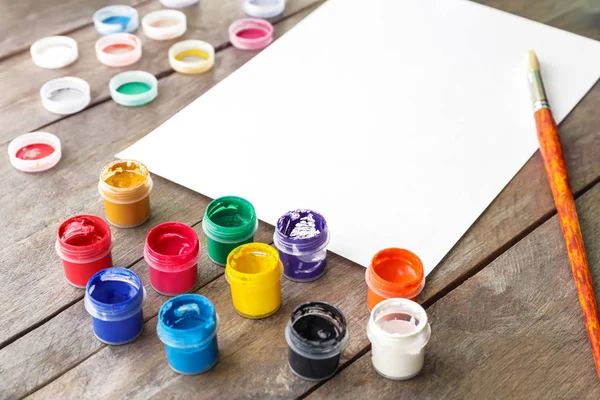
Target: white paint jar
[398,331]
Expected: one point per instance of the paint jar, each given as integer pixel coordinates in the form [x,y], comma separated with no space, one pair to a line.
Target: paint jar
[34,152]
[251,34]
[264,8]
[254,275]
[228,223]
[178,3]
[398,331]
[394,273]
[118,49]
[192,56]
[133,88]
[114,297]
[316,334]
[171,251]
[187,325]
[116,19]
[125,186]
[54,52]
[301,236]
[64,96]
[84,244]
[164,24]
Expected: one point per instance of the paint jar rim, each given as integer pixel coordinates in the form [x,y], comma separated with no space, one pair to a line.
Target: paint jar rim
[119,59]
[41,164]
[413,341]
[127,195]
[115,11]
[177,3]
[300,246]
[167,262]
[116,311]
[197,67]
[386,288]
[251,43]
[69,106]
[191,337]
[164,32]
[229,234]
[260,10]
[265,278]
[54,61]
[133,100]
[88,253]
[317,350]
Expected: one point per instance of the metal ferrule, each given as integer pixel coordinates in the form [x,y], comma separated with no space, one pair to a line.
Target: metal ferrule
[538,94]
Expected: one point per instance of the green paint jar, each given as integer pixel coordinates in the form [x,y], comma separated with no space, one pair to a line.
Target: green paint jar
[228,222]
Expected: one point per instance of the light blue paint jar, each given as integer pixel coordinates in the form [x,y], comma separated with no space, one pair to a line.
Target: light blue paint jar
[187,325]
[116,19]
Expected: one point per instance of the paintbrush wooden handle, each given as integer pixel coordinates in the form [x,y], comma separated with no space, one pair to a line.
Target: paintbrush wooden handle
[556,170]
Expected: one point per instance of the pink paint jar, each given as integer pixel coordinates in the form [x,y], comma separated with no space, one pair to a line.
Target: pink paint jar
[84,244]
[172,250]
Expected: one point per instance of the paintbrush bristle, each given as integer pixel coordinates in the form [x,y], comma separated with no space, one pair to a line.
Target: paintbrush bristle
[534,64]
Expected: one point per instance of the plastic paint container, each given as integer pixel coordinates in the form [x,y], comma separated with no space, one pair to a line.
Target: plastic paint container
[228,222]
[164,24]
[187,325]
[254,275]
[394,273]
[264,8]
[84,244]
[398,331]
[251,34]
[66,95]
[177,3]
[301,236]
[34,152]
[54,52]
[316,334]
[114,297]
[133,88]
[192,56]
[125,186]
[171,251]
[116,19]
[119,49]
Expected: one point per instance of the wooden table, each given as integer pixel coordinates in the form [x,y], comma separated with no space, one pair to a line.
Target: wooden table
[502,304]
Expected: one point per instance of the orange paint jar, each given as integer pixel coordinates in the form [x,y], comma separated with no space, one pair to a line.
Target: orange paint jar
[125,186]
[394,273]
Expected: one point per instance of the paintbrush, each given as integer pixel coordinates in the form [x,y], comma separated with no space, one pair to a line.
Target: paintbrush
[556,170]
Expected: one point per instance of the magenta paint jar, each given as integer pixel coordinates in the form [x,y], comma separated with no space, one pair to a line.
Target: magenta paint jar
[302,236]
[171,251]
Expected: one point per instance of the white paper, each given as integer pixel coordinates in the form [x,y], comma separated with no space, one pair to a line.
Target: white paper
[399,120]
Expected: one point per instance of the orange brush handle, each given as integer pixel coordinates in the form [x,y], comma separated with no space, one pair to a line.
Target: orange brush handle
[565,206]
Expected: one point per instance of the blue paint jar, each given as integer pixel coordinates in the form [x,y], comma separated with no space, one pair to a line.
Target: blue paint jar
[187,325]
[114,297]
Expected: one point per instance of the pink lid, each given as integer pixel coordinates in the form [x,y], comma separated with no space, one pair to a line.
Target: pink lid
[251,34]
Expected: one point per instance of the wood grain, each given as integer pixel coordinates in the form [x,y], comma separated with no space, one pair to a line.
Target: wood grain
[514,330]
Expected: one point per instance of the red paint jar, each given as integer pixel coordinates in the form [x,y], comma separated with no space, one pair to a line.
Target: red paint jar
[394,273]
[172,250]
[84,244]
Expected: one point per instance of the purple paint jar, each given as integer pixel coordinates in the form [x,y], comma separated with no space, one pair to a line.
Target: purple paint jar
[301,236]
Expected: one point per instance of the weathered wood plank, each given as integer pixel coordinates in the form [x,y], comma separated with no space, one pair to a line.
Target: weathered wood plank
[21,109]
[514,330]
[35,204]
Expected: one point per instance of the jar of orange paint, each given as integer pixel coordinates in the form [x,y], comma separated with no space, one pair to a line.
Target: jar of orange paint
[125,186]
[394,273]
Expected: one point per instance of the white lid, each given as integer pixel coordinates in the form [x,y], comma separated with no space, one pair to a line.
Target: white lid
[54,52]
[164,24]
[34,165]
[124,19]
[177,3]
[264,8]
[66,95]
[129,49]
[133,100]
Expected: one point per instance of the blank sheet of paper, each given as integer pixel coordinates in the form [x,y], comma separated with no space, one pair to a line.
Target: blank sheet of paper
[398,120]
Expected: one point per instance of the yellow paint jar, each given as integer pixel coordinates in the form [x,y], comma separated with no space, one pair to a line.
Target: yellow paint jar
[254,274]
[125,186]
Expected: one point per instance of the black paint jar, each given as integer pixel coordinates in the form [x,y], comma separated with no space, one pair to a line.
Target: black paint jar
[316,334]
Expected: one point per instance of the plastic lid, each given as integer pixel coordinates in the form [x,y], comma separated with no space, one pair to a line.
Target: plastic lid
[116,19]
[251,34]
[192,56]
[133,88]
[66,95]
[54,52]
[119,50]
[264,8]
[177,3]
[164,24]
[34,152]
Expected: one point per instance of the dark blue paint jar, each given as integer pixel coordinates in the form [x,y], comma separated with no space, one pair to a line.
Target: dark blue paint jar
[301,237]
[187,325]
[114,297]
